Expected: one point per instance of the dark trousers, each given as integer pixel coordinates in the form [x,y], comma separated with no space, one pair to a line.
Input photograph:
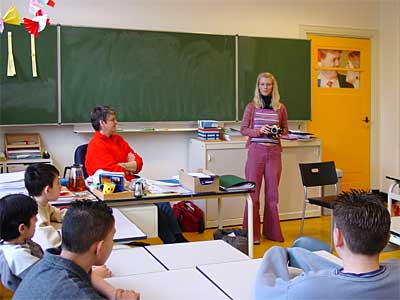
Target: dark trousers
[168,225]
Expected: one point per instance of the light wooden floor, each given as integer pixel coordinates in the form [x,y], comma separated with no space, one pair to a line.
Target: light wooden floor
[316,227]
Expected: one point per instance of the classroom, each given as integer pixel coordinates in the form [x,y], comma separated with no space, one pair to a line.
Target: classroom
[166,152]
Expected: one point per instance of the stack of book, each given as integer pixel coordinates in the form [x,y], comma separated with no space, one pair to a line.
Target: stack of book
[207,130]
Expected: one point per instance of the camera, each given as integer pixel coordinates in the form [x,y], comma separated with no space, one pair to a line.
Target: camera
[274,131]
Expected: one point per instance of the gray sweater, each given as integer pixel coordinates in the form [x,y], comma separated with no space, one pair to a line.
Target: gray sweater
[54,277]
[321,279]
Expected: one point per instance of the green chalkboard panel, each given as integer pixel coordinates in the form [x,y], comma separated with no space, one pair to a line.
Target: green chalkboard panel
[288,60]
[147,75]
[23,98]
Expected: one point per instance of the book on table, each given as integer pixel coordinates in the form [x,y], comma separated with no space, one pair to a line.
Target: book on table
[235,183]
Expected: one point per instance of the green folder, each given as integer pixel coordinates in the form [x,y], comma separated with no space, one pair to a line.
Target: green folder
[234,183]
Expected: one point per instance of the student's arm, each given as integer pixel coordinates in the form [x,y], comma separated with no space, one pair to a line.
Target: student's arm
[111,293]
[47,236]
[56,214]
[308,261]
[273,275]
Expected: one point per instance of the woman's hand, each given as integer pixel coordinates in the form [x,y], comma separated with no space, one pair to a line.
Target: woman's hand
[266,129]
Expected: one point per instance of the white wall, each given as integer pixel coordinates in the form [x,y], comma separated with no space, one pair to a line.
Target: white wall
[165,153]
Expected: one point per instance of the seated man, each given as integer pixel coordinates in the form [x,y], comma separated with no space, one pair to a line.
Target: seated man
[362,227]
[110,152]
[87,239]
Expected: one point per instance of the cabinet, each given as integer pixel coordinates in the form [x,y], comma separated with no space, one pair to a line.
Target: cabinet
[229,157]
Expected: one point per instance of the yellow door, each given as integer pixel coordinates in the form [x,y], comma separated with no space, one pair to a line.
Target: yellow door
[341,105]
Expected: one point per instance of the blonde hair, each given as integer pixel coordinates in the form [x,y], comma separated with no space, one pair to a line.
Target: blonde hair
[275,92]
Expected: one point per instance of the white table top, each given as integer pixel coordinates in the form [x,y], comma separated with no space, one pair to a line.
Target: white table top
[132,261]
[237,278]
[189,255]
[126,230]
[171,285]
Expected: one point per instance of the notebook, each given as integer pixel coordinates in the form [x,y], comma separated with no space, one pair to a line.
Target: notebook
[235,183]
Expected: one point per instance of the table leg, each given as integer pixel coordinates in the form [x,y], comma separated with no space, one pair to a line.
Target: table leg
[219,213]
[250,224]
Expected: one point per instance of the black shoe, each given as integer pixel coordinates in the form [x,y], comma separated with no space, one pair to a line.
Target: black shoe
[179,238]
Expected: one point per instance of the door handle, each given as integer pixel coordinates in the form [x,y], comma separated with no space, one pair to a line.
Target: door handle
[366,120]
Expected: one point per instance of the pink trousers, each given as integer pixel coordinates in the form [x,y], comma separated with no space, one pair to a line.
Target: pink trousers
[263,160]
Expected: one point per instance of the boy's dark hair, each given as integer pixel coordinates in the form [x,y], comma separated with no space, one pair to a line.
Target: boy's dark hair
[364,222]
[38,176]
[100,113]
[85,223]
[15,210]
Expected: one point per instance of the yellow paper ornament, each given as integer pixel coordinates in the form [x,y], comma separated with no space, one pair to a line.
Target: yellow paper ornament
[12,16]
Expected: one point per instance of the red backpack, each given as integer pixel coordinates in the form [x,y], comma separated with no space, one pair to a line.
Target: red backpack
[189,216]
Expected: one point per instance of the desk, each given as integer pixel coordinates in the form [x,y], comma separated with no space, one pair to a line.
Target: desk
[189,255]
[236,279]
[133,261]
[196,196]
[126,231]
[171,285]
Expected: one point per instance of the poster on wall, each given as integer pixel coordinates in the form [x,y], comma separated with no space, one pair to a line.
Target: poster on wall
[338,68]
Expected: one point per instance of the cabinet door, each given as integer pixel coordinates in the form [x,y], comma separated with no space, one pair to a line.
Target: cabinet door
[221,162]
[291,193]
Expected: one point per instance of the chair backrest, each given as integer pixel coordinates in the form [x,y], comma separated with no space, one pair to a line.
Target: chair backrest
[80,156]
[320,173]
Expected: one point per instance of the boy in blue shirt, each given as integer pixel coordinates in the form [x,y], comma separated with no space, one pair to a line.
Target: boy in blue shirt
[362,227]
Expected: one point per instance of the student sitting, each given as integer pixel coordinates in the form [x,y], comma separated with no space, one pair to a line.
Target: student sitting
[87,240]
[17,226]
[43,183]
[361,231]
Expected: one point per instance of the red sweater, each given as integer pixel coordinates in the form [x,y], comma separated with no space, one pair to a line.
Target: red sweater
[247,126]
[107,152]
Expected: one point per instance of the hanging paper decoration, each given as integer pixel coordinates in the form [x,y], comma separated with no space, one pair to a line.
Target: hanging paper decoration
[12,16]
[41,19]
[37,24]
[33,55]
[10,64]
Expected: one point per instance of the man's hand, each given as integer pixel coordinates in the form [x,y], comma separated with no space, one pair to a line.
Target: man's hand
[102,271]
[121,294]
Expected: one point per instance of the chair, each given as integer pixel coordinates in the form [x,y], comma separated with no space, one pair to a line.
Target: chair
[80,156]
[319,174]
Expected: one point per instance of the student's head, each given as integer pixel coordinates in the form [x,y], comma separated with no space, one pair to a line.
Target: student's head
[363,222]
[43,180]
[103,119]
[89,226]
[17,217]
[266,85]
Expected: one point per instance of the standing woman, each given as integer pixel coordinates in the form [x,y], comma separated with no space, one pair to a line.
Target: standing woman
[264,153]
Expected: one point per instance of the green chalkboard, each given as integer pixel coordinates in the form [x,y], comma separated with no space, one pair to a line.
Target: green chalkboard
[147,75]
[23,98]
[288,60]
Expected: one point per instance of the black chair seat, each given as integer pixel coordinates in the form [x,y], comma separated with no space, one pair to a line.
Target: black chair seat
[327,201]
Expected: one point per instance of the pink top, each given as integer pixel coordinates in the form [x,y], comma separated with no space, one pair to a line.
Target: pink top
[247,127]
